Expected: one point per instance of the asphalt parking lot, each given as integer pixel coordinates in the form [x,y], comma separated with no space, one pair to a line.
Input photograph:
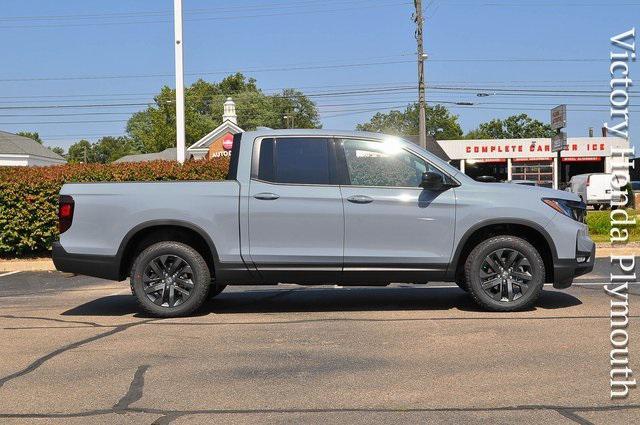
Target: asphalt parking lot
[76,350]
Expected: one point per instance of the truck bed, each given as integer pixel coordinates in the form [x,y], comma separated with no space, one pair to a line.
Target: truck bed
[106,212]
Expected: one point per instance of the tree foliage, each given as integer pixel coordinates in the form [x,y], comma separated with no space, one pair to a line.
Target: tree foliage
[58,150]
[153,129]
[440,123]
[514,127]
[31,135]
[105,150]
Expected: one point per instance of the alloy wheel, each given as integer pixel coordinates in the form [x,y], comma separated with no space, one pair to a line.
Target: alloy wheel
[505,274]
[168,281]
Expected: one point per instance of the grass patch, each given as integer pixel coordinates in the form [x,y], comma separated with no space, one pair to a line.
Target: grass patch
[599,223]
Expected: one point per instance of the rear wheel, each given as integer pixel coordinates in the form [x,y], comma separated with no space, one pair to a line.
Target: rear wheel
[170,279]
[505,273]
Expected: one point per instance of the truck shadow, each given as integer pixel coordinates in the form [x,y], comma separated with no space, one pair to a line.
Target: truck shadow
[314,299]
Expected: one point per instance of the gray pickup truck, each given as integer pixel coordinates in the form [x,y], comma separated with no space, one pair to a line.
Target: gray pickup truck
[324,207]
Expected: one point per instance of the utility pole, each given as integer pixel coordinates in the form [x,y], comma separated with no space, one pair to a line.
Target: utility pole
[422,120]
[180,130]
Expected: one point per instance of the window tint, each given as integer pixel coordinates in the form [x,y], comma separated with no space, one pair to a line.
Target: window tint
[295,160]
[265,164]
[382,164]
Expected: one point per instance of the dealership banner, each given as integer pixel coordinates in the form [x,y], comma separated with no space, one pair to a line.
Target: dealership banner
[530,149]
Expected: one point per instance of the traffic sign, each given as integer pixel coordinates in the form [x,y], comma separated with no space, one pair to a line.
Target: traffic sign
[559,117]
[559,142]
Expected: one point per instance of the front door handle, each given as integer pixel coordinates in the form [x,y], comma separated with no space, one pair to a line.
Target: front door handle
[360,199]
[266,196]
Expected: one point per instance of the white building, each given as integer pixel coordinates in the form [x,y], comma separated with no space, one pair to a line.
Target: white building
[532,159]
[19,151]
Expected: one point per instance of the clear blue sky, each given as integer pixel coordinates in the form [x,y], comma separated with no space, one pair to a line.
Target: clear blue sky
[50,47]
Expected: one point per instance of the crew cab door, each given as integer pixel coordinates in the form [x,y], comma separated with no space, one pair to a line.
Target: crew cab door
[394,229]
[296,221]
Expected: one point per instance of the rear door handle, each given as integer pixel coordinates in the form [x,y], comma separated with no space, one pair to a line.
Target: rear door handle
[360,199]
[266,196]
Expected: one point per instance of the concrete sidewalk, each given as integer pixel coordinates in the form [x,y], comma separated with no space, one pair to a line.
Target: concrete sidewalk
[46,264]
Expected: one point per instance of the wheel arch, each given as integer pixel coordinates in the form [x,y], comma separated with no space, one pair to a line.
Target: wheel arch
[150,232]
[527,230]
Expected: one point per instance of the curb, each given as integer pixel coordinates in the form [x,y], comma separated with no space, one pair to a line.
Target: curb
[27,265]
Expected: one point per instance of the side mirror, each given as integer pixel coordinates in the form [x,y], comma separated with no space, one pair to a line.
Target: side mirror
[432,181]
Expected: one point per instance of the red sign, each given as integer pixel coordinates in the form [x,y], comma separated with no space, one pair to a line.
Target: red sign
[581,159]
[530,159]
[543,147]
[227,142]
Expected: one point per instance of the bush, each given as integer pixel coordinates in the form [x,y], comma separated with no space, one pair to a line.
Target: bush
[29,195]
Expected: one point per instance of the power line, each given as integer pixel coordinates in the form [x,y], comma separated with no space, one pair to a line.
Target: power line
[244,70]
[216,18]
[168,12]
[521,84]
[492,91]
[299,67]
[63,122]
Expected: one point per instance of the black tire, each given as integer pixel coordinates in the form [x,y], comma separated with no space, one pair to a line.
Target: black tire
[461,281]
[214,290]
[191,270]
[517,280]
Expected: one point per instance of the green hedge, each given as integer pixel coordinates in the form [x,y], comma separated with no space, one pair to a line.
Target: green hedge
[29,195]
[599,223]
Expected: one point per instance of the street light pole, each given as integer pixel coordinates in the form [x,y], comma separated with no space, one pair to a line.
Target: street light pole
[422,119]
[180,127]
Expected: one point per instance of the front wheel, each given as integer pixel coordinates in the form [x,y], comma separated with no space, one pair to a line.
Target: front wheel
[170,279]
[215,289]
[505,273]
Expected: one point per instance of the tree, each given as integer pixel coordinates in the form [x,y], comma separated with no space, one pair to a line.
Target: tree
[31,135]
[109,148]
[106,149]
[81,151]
[154,129]
[58,150]
[440,123]
[515,127]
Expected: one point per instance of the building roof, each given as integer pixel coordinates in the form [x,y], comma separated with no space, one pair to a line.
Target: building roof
[204,143]
[169,154]
[12,144]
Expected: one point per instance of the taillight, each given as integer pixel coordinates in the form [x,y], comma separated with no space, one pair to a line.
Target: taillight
[65,213]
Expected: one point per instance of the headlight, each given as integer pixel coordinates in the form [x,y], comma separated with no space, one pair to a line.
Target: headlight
[573,209]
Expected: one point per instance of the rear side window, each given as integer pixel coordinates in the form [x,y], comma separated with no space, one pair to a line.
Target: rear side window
[295,161]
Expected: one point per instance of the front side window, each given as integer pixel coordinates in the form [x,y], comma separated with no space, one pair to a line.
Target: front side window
[295,160]
[381,164]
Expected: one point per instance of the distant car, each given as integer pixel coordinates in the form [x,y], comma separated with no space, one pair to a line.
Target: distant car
[524,182]
[594,189]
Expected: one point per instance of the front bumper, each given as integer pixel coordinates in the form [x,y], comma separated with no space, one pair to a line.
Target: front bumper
[565,270]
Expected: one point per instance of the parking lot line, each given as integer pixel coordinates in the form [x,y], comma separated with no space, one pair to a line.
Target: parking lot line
[9,273]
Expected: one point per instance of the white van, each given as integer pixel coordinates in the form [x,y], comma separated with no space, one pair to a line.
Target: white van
[594,189]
